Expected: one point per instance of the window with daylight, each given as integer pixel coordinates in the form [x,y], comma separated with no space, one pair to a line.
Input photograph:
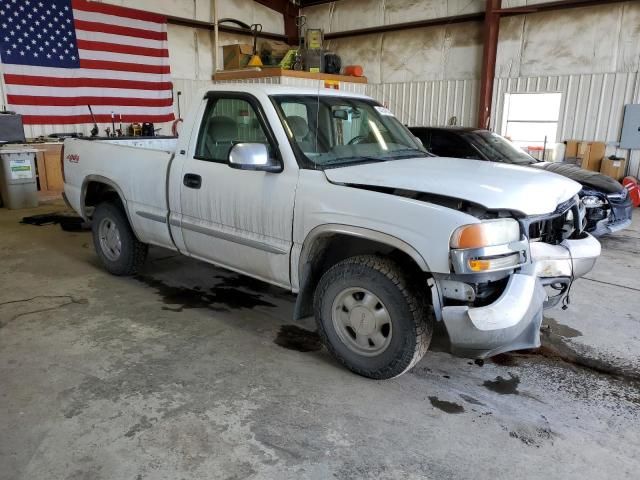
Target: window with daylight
[529,118]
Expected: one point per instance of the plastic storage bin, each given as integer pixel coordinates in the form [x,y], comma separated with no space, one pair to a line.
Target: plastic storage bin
[18,187]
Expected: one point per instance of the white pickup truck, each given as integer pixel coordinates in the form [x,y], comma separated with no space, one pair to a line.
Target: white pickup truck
[327,194]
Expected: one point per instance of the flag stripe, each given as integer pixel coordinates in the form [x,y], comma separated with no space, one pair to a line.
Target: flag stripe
[122,48]
[130,32]
[122,58]
[119,39]
[118,20]
[67,91]
[84,82]
[123,67]
[83,72]
[82,110]
[118,11]
[75,101]
[75,119]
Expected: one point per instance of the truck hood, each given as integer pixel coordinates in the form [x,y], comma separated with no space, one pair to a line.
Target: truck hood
[495,186]
[589,179]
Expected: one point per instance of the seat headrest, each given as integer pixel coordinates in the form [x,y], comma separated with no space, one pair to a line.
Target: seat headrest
[299,126]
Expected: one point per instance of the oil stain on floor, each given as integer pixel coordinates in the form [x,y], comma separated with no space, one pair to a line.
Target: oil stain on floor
[293,337]
[220,297]
[504,386]
[447,407]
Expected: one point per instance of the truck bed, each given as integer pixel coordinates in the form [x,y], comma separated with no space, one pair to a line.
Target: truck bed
[137,166]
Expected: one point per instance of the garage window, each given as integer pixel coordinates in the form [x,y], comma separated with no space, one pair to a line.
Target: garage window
[529,118]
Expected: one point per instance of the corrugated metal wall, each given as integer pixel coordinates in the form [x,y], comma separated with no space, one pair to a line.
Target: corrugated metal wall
[592,106]
[429,102]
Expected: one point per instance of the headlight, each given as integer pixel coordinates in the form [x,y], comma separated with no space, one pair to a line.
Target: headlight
[486,234]
[591,201]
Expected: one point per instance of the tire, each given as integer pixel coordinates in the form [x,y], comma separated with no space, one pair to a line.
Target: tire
[131,254]
[371,317]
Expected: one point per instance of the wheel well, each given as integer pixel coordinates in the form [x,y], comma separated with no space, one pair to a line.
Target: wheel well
[332,248]
[98,192]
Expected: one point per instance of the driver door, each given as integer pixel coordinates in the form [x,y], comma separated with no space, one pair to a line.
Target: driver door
[239,219]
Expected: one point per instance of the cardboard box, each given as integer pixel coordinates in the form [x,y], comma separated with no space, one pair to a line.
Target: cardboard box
[571,149]
[591,154]
[613,167]
[236,56]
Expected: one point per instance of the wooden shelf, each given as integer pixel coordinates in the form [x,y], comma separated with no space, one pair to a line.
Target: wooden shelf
[278,72]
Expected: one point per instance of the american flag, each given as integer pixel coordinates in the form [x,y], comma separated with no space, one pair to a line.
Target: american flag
[58,56]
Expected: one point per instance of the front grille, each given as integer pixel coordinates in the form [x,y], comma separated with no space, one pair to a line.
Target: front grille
[567,220]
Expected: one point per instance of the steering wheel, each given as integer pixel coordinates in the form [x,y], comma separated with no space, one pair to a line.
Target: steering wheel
[357,140]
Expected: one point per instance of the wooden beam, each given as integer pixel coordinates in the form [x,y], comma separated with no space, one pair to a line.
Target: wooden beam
[490,48]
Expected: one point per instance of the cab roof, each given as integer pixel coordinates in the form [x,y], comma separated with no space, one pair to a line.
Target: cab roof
[268,89]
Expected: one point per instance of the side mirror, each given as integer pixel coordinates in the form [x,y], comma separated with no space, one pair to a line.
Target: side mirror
[253,156]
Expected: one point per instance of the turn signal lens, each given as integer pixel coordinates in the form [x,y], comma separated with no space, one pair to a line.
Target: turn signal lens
[496,263]
[486,234]
[479,265]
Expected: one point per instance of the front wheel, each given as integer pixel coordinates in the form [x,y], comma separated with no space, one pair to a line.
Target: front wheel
[115,243]
[371,318]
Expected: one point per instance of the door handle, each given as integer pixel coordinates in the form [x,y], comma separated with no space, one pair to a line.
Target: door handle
[192,180]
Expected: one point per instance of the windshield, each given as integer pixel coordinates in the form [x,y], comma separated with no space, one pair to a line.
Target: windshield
[499,149]
[331,131]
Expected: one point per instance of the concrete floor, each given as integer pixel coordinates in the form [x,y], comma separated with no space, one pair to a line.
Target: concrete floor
[180,373]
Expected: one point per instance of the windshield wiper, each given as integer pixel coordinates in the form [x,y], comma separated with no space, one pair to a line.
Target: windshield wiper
[411,150]
[339,162]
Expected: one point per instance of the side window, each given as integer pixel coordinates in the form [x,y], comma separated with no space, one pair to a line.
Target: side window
[226,122]
[446,145]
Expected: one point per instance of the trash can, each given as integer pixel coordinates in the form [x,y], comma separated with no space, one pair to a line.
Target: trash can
[18,187]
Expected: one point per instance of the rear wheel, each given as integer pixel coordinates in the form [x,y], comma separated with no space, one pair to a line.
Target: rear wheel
[119,250]
[371,317]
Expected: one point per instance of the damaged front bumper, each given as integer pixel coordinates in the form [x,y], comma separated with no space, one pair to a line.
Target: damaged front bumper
[512,321]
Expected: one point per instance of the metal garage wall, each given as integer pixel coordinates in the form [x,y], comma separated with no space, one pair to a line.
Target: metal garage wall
[428,75]
[429,102]
[592,106]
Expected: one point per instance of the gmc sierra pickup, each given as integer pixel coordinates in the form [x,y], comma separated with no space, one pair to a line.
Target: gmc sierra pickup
[327,194]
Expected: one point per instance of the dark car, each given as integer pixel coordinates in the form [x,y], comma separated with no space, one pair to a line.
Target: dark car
[607,202]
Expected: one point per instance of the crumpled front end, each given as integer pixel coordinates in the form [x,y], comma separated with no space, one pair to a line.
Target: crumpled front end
[495,312]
